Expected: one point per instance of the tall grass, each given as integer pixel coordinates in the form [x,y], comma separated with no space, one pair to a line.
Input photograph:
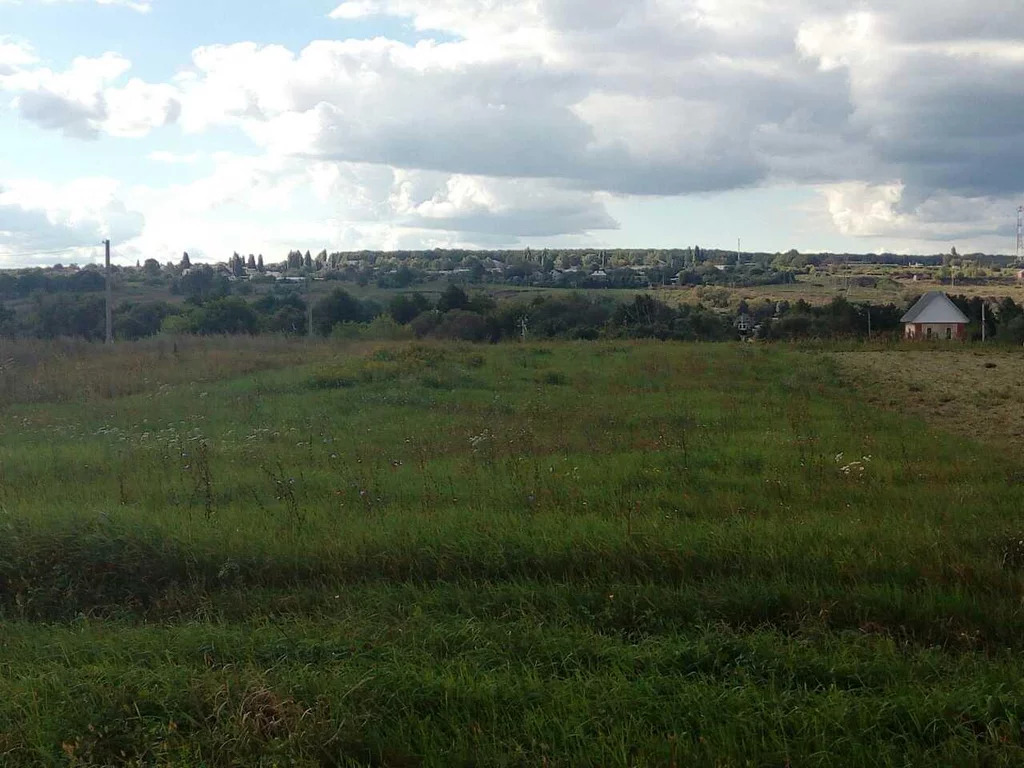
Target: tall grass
[63,370]
[553,554]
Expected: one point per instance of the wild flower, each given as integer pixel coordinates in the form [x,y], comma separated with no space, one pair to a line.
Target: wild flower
[854,468]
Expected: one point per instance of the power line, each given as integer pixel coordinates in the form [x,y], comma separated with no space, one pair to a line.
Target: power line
[54,252]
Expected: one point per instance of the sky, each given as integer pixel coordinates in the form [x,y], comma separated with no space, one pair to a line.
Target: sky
[260,127]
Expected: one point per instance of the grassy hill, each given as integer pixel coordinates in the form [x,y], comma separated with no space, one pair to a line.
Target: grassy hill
[221,553]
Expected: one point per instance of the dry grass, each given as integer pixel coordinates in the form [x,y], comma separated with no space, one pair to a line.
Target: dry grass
[823,287]
[973,391]
[69,370]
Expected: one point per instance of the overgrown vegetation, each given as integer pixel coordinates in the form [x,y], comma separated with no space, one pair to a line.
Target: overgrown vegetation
[612,553]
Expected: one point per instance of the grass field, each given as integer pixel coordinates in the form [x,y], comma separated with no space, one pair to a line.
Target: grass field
[605,554]
[974,390]
[821,288]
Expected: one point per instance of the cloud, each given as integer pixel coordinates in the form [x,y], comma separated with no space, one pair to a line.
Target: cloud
[518,118]
[38,216]
[475,205]
[275,204]
[880,211]
[447,108]
[85,100]
[356,9]
[649,97]
[14,55]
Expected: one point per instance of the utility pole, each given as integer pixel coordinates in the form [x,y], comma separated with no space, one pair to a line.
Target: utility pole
[309,308]
[110,315]
[1020,235]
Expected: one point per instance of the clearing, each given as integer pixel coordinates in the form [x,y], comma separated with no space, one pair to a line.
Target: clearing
[614,554]
[974,391]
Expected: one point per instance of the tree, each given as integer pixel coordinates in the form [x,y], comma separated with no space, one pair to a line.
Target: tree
[185,261]
[259,263]
[203,284]
[308,260]
[477,271]
[229,315]
[137,321]
[452,298]
[151,268]
[63,315]
[251,263]
[86,281]
[404,277]
[404,308]
[337,307]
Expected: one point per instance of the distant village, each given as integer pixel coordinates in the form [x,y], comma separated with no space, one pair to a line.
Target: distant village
[566,268]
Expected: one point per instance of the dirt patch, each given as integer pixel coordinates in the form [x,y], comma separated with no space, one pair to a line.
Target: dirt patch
[976,392]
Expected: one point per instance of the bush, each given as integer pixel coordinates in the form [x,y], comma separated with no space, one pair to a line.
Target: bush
[461,325]
[425,323]
[225,316]
[337,307]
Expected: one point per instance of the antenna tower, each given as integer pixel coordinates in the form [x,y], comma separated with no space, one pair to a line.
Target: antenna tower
[1020,234]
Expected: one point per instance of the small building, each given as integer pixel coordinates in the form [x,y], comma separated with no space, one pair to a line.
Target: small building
[934,316]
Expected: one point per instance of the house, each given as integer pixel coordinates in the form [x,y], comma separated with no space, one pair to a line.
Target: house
[934,316]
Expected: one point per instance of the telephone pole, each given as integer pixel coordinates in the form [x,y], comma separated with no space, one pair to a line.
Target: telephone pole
[110,315]
[309,308]
[1020,234]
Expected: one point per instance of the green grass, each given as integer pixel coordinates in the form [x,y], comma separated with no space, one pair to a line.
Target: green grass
[566,554]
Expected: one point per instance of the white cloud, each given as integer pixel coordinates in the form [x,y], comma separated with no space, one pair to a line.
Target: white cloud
[356,9]
[38,216]
[275,204]
[521,114]
[85,99]
[14,56]
[881,211]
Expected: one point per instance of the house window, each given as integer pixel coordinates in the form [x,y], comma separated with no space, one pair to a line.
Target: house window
[928,333]
[949,333]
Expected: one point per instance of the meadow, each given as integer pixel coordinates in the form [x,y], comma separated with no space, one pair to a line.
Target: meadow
[227,552]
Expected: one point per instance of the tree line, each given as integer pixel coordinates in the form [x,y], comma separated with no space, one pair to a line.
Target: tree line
[460,315]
